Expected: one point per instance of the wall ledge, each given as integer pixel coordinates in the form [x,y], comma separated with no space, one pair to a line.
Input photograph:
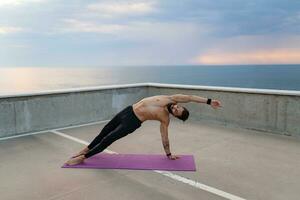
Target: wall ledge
[160,85]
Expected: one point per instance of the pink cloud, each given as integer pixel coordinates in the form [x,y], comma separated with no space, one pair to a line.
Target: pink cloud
[269,56]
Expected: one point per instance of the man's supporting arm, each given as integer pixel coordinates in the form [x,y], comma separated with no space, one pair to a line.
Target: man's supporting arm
[164,137]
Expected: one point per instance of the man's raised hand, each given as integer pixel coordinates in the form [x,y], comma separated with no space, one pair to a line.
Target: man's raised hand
[215,103]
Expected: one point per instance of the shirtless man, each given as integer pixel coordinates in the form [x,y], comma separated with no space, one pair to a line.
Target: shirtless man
[131,118]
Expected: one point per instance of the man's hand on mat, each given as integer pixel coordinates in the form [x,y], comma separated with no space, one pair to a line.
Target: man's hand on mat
[173,157]
[215,103]
[76,160]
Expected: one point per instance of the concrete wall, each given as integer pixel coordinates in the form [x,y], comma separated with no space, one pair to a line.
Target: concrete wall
[48,110]
[274,111]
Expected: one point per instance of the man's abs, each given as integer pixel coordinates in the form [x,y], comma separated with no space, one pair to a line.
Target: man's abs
[151,108]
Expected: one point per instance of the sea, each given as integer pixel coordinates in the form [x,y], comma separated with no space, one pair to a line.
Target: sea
[15,80]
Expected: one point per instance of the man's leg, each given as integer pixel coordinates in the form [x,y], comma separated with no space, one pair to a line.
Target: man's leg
[121,131]
[127,124]
[114,123]
[110,126]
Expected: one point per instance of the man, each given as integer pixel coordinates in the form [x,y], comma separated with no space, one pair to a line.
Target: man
[131,118]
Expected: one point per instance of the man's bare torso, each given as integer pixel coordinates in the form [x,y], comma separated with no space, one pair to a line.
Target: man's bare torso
[153,108]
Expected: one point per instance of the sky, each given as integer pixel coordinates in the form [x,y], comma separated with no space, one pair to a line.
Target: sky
[45,33]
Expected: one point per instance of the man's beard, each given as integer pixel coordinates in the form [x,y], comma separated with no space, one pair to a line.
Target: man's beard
[169,108]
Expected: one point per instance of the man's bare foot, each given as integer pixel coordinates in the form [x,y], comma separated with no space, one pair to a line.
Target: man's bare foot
[82,152]
[76,160]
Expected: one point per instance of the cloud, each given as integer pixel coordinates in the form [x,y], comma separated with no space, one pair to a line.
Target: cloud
[9,29]
[268,56]
[152,31]
[250,49]
[139,42]
[122,8]
[74,25]
[138,30]
[17,2]
[168,31]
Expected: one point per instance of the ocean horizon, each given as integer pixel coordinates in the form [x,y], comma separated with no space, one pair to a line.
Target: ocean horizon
[32,79]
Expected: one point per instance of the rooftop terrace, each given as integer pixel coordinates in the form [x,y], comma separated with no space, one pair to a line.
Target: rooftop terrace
[234,159]
[231,163]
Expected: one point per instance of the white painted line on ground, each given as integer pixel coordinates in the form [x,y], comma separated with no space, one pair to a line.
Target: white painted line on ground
[166,173]
[199,185]
[88,124]
[49,130]
[77,139]
[22,135]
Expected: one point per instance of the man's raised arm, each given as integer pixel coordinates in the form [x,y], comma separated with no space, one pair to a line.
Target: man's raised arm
[181,98]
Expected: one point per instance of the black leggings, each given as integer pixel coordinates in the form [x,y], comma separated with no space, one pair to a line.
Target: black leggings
[122,124]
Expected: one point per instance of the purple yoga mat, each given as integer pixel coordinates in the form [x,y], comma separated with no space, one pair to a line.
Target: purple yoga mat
[137,161]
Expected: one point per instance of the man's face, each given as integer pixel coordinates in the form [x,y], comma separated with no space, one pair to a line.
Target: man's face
[176,110]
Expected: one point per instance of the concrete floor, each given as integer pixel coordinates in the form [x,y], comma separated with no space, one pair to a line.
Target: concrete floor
[244,163]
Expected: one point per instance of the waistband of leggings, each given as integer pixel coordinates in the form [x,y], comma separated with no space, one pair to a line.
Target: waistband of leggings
[134,115]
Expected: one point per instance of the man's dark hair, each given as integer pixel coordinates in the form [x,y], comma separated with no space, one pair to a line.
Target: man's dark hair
[184,115]
[169,107]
